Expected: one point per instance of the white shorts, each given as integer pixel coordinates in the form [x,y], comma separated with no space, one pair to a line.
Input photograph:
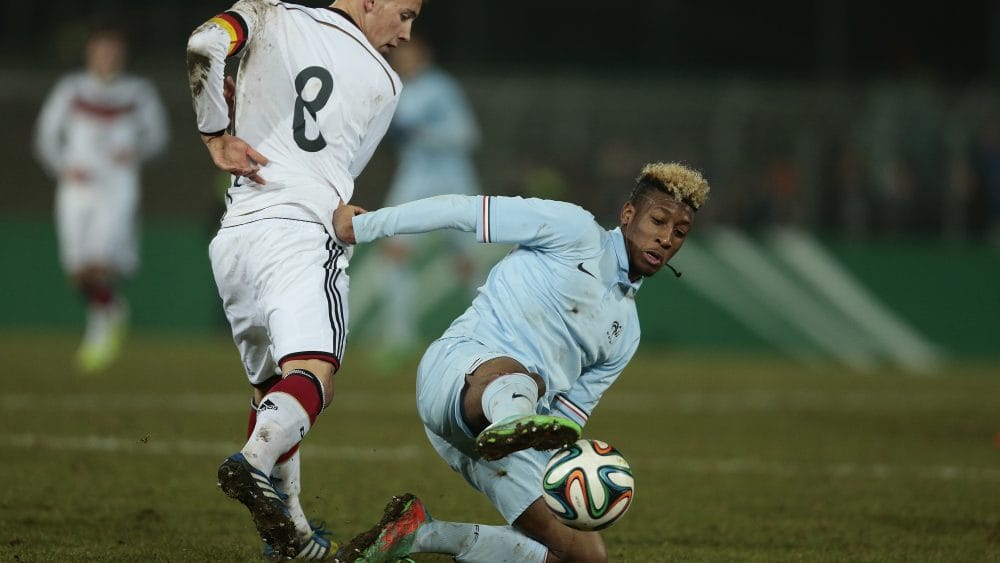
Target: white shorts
[96,225]
[283,284]
[512,483]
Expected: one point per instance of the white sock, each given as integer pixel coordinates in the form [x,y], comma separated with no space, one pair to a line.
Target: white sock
[287,478]
[512,394]
[281,423]
[477,543]
[97,325]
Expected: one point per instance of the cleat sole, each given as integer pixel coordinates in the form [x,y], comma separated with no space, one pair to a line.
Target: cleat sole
[269,514]
[540,432]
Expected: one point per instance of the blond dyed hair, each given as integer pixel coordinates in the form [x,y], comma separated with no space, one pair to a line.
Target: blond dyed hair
[684,184]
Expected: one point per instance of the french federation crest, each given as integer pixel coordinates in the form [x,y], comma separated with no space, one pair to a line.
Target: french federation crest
[614,332]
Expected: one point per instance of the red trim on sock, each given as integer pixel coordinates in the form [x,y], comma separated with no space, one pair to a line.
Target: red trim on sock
[252,423]
[288,455]
[99,294]
[305,390]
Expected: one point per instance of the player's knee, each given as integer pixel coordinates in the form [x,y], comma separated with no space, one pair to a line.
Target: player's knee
[583,547]
[322,370]
[565,544]
[264,387]
[540,382]
[498,367]
[326,379]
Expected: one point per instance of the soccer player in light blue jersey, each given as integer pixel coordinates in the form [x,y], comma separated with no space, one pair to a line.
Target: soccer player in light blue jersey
[519,373]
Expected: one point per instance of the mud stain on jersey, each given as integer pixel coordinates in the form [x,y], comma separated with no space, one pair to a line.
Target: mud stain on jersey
[197,67]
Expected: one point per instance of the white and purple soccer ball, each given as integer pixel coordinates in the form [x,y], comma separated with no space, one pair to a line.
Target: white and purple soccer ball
[588,485]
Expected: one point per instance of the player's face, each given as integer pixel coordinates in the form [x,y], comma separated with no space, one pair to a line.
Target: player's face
[654,229]
[388,23]
[105,56]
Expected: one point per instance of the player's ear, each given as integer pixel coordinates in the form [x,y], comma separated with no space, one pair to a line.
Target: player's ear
[628,213]
[369,6]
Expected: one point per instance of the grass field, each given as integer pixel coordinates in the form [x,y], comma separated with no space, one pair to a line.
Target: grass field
[737,458]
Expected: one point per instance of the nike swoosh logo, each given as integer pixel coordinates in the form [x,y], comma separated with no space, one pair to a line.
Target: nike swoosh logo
[518,395]
[584,270]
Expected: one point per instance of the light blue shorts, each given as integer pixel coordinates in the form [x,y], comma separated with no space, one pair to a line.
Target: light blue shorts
[511,483]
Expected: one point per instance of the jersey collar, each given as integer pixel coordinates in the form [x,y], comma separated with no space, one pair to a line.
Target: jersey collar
[618,243]
[345,15]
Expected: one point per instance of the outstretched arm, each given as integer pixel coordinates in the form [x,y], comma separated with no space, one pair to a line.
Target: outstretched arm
[420,216]
[209,46]
[552,225]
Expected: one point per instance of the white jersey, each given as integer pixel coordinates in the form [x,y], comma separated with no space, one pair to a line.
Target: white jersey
[313,96]
[103,128]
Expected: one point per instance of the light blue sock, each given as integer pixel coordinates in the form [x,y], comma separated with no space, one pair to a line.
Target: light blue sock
[477,543]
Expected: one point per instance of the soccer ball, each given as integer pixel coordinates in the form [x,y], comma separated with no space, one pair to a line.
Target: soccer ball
[588,485]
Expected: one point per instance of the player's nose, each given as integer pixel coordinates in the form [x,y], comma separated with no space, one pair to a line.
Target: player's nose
[665,240]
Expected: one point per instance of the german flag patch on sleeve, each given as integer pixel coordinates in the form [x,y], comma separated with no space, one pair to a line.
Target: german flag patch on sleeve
[236,27]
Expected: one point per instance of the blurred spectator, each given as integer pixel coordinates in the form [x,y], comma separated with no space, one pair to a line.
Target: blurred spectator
[95,129]
[435,133]
[985,160]
[904,151]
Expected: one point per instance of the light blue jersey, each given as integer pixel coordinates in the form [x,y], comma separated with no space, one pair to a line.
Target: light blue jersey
[436,132]
[560,303]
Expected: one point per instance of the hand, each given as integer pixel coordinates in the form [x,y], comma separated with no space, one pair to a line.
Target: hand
[123,157]
[343,222]
[229,93]
[76,175]
[396,250]
[234,155]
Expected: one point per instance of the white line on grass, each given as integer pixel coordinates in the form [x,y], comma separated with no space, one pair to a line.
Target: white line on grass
[732,466]
[154,446]
[688,402]
[847,470]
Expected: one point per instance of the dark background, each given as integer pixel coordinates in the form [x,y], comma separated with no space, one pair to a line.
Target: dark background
[868,119]
[791,39]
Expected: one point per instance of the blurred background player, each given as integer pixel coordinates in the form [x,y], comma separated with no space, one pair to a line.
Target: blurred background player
[435,133]
[315,96]
[523,368]
[96,128]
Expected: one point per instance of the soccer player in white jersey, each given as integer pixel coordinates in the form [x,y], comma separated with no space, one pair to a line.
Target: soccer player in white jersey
[95,129]
[313,98]
[550,331]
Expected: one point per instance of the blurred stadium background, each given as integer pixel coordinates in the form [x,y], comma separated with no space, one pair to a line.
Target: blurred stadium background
[867,136]
[853,149]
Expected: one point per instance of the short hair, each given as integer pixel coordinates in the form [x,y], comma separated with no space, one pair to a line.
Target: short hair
[676,180]
[107,31]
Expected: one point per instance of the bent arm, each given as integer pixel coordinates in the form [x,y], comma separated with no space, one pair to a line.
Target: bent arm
[48,130]
[579,402]
[209,46]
